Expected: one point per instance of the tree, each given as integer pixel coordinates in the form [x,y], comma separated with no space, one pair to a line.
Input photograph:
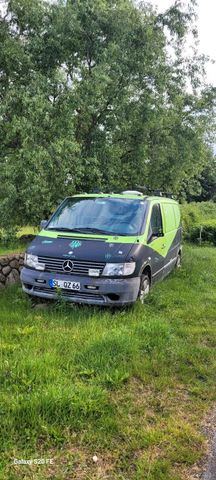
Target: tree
[90,96]
[206,183]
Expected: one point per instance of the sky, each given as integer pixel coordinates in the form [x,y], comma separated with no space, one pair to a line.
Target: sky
[206,29]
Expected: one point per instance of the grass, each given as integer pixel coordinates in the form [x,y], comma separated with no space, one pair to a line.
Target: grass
[130,386]
[17,247]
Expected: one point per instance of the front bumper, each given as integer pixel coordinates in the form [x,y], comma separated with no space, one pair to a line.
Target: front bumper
[108,291]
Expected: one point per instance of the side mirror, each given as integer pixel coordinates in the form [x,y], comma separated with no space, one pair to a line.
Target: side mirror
[158,233]
[43,224]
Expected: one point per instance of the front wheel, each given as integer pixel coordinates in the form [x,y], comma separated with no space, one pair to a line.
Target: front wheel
[144,287]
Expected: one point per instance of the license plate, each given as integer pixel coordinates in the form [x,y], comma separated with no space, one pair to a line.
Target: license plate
[65,284]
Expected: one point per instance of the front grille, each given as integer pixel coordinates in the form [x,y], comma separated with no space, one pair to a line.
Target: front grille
[55,265]
[70,294]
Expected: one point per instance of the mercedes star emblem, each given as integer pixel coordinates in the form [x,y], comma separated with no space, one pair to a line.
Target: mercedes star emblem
[67,266]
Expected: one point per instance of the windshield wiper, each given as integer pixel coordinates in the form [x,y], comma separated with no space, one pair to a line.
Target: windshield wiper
[91,230]
[101,232]
[87,230]
[80,230]
[64,229]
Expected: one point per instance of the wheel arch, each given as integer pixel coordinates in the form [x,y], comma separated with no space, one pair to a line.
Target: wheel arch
[147,269]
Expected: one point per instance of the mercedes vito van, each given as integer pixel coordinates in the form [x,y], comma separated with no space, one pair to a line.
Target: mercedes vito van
[104,249]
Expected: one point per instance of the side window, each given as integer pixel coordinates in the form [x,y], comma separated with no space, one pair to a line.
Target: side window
[156,226]
[170,219]
[177,216]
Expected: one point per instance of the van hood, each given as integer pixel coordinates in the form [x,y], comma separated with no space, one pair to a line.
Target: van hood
[81,248]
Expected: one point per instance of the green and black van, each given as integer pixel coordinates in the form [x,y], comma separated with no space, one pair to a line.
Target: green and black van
[104,249]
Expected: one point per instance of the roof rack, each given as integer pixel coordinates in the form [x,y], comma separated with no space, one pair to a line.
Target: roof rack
[156,192]
[140,191]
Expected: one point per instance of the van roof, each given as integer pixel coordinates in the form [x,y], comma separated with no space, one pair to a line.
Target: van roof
[129,196]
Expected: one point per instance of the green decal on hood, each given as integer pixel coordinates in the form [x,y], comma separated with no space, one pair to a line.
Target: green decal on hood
[75,244]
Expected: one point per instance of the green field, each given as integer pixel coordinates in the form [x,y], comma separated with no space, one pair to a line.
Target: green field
[130,386]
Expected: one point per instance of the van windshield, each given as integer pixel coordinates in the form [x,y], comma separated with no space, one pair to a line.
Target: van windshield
[102,215]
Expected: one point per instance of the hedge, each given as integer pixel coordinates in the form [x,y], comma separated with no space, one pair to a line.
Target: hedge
[202,233]
[199,222]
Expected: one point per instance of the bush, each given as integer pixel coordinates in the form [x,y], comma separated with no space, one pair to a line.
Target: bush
[203,233]
[199,219]
[8,236]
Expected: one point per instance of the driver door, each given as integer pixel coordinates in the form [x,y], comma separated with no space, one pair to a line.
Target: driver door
[156,242]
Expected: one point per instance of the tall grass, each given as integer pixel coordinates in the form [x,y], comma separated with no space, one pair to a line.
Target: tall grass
[131,386]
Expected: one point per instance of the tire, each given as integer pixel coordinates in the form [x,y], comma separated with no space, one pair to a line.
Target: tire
[144,290]
[178,261]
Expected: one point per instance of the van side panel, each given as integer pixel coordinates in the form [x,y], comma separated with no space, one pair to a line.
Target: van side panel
[172,234]
[162,251]
[155,250]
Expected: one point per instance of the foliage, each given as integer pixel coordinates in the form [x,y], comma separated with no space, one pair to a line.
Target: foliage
[197,213]
[41,153]
[206,232]
[207,184]
[197,217]
[8,236]
[91,97]
[130,386]
[11,240]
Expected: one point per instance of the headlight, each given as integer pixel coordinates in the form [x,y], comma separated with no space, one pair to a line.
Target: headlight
[119,269]
[32,262]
